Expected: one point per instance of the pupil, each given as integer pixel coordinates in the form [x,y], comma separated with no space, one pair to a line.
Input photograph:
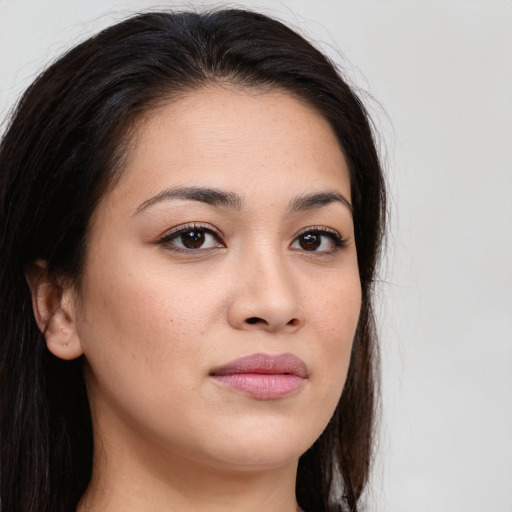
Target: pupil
[310,242]
[193,239]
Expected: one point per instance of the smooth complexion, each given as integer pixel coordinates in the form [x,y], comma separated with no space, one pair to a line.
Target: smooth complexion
[228,240]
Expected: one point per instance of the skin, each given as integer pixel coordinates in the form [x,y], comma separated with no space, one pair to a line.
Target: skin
[153,319]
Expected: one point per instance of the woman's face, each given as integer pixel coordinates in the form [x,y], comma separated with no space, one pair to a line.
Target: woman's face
[221,290]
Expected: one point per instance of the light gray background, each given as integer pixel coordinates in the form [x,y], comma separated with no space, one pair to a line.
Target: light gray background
[441,75]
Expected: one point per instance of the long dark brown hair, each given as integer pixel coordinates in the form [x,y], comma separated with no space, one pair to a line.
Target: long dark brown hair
[64,147]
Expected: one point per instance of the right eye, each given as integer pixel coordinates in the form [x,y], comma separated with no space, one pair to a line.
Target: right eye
[191,238]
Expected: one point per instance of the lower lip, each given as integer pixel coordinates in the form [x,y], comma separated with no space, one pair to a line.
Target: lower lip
[262,386]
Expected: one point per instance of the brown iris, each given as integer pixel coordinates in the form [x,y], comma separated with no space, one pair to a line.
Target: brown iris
[193,239]
[310,241]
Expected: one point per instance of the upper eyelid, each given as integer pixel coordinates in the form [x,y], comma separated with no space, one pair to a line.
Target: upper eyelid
[190,226]
[321,229]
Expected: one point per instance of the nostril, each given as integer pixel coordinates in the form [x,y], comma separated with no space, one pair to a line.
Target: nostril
[254,320]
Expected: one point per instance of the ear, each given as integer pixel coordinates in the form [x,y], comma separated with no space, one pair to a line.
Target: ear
[54,308]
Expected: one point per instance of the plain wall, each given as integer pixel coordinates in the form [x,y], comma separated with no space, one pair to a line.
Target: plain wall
[440,73]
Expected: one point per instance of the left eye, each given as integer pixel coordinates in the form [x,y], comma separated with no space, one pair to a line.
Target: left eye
[192,239]
[318,241]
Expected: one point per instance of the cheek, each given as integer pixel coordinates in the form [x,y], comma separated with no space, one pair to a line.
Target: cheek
[141,338]
[334,314]
[148,324]
[334,304]
[140,296]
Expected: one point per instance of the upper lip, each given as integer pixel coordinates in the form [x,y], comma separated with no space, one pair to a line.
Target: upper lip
[286,364]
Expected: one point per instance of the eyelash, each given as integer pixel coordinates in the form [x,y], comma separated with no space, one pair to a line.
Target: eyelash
[335,237]
[178,231]
[322,231]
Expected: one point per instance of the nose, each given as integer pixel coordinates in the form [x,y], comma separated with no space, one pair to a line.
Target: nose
[265,297]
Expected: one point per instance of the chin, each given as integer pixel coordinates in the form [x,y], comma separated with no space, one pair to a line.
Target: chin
[259,459]
[264,447]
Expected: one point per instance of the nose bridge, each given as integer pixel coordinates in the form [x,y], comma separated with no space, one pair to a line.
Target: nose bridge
[266,293]
[272,278]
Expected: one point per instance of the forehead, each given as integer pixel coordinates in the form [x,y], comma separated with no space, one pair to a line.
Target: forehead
[233,138]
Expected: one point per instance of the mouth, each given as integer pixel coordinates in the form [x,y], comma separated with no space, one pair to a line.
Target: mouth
[263,376]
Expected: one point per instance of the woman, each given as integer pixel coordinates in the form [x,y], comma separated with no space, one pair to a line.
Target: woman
[191,214]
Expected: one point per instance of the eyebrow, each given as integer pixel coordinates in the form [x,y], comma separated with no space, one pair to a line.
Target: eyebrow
[231,200]
[312,201]
[211,196]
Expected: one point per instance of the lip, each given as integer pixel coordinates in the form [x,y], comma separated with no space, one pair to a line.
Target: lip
[263,376]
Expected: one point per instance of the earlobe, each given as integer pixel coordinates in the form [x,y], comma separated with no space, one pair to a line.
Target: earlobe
[54,311]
